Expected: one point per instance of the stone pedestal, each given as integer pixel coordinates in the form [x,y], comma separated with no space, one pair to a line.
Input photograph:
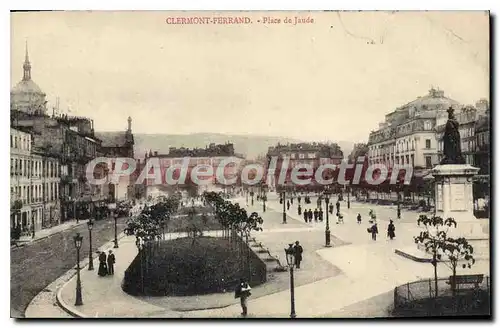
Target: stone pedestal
[453,199]
[453,195]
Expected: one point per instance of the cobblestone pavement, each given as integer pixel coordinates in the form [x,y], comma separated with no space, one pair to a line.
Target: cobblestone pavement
[36,265]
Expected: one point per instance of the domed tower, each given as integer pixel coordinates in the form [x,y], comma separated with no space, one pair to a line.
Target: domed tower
[27,96]
[129,138]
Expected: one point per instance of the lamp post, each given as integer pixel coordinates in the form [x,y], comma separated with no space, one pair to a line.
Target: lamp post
[78,244]
[90,225]
[284,201]
[398,202]
[251,195]
[264,198]
[112,208]
[290,260]
[327,229]
[139,242]
[348,197]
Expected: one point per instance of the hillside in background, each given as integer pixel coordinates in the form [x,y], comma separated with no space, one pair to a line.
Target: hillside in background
[249,145]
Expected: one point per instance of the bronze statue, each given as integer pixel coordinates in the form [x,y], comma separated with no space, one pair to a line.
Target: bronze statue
[451,141]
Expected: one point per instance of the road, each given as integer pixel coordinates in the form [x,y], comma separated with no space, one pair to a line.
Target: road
[36,265]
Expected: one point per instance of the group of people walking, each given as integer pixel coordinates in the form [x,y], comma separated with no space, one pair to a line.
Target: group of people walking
[106,264]
[373,230]
[309,214]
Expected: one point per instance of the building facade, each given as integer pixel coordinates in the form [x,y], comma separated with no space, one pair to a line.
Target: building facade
[313,154]
[35,180]
[114,145]
[408,134]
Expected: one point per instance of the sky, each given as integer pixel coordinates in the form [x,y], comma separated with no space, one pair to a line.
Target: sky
[333,79]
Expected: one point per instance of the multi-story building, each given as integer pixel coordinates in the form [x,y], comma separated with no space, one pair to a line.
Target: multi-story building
[35,178]
[212,155]
[408,135]
[314,154]
[114,145]
[482,136]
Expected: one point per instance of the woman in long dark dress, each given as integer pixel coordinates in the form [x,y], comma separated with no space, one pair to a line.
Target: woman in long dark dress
[103,268]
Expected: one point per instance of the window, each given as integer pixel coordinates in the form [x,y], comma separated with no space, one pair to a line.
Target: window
[11,141]
[11,166]
[311,155]
[292,156]
[428,162]
[412,160]
[427,125]
[427,143]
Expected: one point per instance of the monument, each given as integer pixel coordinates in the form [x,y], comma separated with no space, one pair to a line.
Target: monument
[454,196]
[453,185]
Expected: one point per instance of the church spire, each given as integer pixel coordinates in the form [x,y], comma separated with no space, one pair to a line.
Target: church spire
[27,66]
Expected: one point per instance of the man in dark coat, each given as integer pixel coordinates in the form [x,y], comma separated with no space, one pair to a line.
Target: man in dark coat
[287,204]
[243,293]
[310,215]
[338,206]
[299,209]
[306,215]
[391,230]
[111,263]
[299,198]
[359,218]
[320,215]
[331,208]
[316,215]
[298,254]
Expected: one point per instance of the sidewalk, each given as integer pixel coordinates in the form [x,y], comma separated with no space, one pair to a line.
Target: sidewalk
[330,283]
[45,233]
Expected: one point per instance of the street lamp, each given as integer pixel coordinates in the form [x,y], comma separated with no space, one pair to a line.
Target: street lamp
[139,242]
[284,201]
[90,225]
[327,229]
[290,260]
[78,244]
[348,198]
[112,208]
[264,198]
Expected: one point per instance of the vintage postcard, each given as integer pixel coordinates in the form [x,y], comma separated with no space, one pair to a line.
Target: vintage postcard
[245,164]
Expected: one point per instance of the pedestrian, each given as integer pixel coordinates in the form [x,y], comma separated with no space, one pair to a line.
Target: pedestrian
[291,200]
[399,213]
[338,206]
[299,198]
[331,208]
[390,230]
[374,231]
[299,209]
[111,263]
[298,254]
[359,218]
[103,269]
[310,215]
[243,293]
[316,215]
[306,215]
[320,215]
[287,204]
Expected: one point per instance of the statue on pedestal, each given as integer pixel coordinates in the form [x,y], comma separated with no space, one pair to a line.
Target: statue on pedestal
[452,153]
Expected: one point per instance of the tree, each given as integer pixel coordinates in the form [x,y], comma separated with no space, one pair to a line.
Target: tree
[443,248]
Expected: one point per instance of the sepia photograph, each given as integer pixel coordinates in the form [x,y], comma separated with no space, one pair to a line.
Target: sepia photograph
[250,164]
